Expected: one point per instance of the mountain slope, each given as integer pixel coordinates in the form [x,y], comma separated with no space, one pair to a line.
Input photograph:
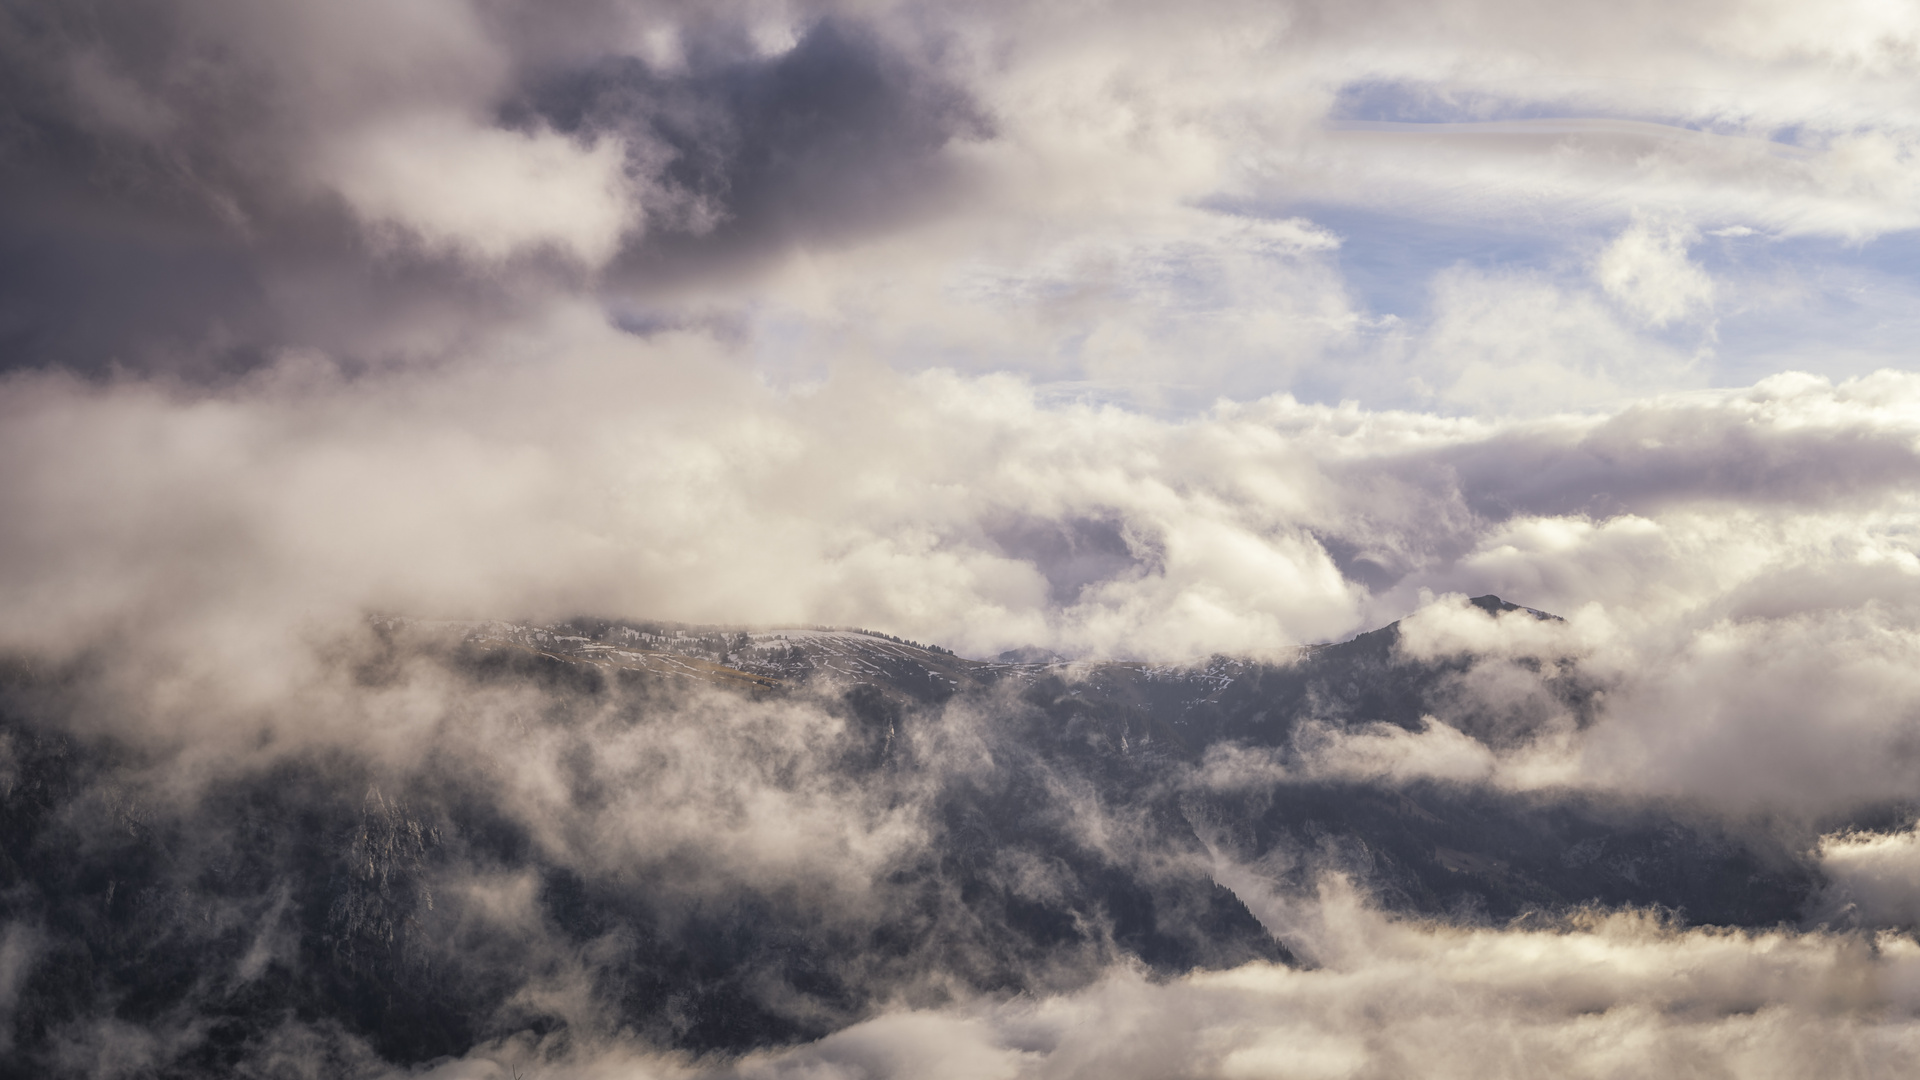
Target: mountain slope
[721,838]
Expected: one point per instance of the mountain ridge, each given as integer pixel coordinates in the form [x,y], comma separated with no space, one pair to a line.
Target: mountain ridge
[940,827]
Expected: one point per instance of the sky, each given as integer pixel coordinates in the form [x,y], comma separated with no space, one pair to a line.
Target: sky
[1126,330]
[492,307]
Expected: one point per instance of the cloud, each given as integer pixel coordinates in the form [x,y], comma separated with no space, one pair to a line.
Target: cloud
[1746,619]
[1646,269]
[456,186]
[818,196]
[1875,878]
[1373,754]
[626,474]
[18,944]
[356,179]
[1605,995]
[991,325]
[1513,344]
[474,517]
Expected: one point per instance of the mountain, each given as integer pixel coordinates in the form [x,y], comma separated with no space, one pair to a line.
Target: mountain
[722,838]
[1427,846]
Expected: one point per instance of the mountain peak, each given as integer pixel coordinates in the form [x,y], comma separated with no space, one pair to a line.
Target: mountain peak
[1493,605]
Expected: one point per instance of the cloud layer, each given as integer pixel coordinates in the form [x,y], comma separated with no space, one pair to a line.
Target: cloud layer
[1121,201]
[1617,996]
[1730,563]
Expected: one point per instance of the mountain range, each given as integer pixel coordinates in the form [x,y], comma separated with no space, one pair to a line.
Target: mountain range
[996,827]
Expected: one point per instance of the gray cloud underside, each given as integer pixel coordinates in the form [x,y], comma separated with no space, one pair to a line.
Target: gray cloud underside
[193,186]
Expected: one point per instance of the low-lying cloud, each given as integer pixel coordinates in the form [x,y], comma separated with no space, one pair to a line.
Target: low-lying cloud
[1715,588]
[1606,995]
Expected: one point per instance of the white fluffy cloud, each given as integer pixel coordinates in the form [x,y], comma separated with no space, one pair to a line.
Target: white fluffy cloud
[469,189]
[1749,618]
[1876,878]
[660,477]
[1646,269]
[1620,997]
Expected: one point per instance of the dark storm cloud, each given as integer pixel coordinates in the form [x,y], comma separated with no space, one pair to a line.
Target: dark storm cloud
[92,295]
[834,138]
[188,189]
[117,240]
